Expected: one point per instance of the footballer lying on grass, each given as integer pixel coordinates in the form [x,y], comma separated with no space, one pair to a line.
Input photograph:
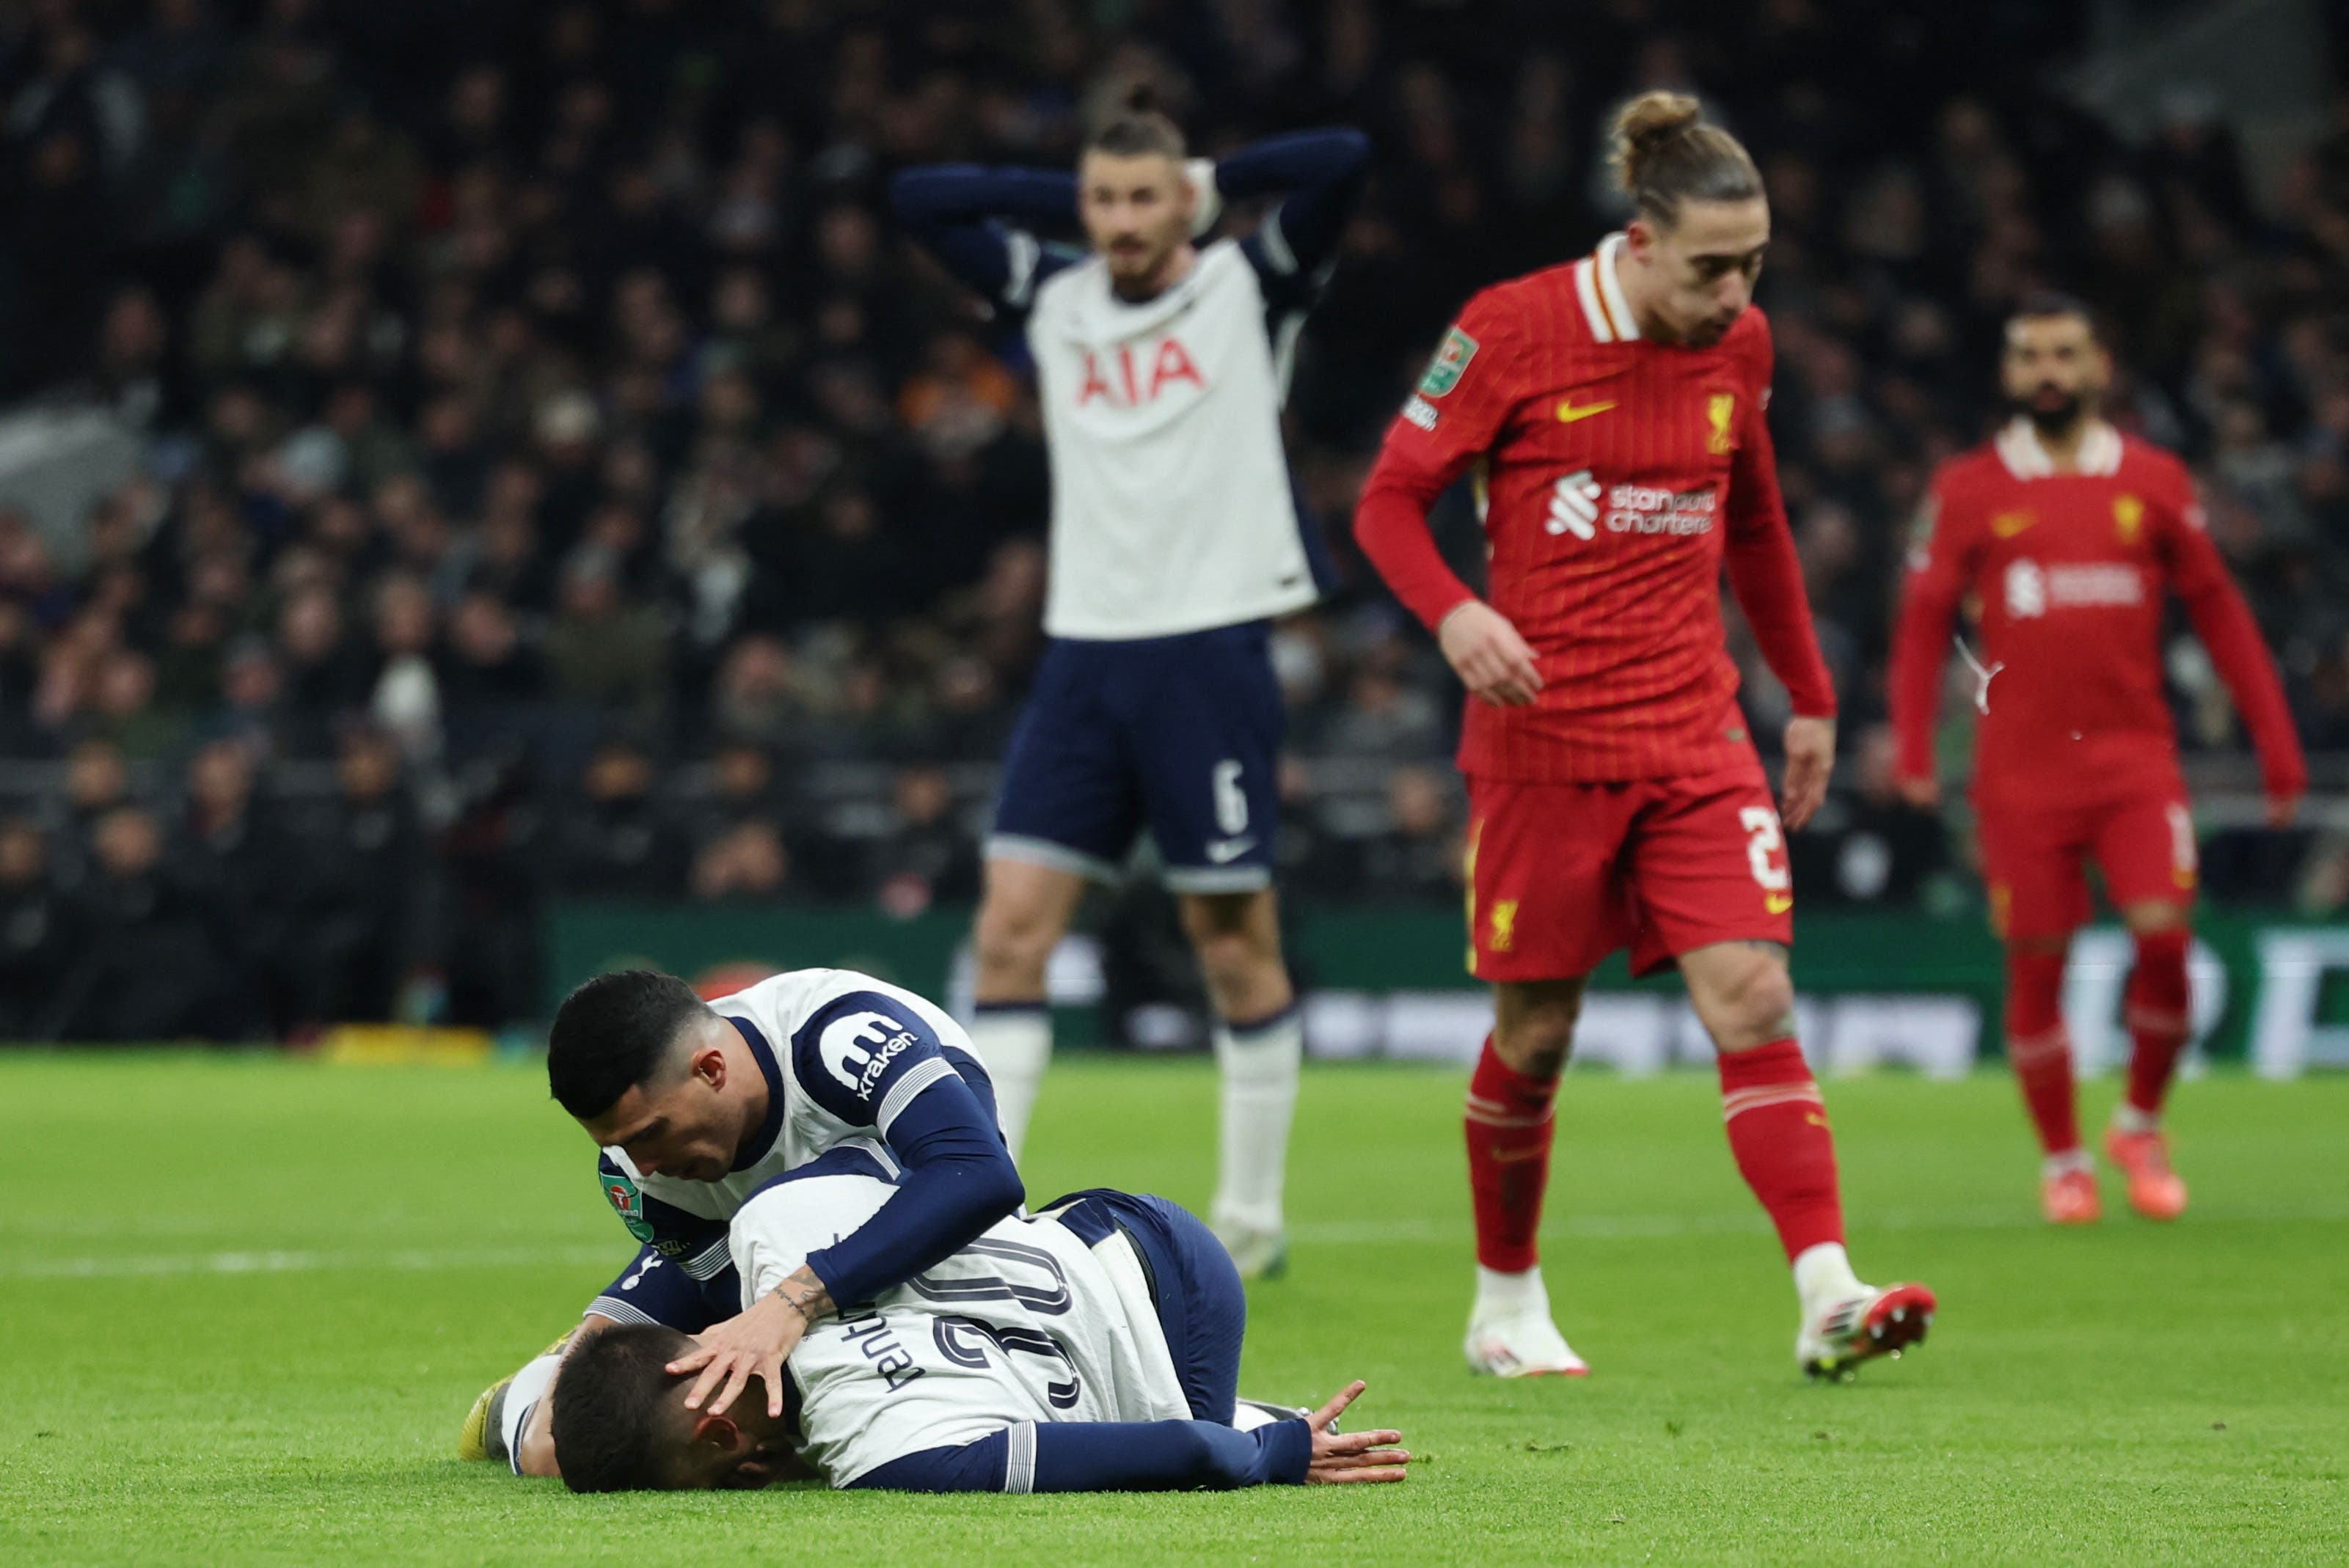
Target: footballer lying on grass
[1093,1347]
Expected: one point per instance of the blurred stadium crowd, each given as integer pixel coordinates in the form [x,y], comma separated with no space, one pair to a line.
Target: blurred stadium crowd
[548,476]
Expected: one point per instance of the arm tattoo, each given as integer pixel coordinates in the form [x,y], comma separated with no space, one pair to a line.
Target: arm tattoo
[805,1295]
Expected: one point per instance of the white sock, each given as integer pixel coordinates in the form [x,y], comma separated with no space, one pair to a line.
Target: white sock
[2062,1164]
[1823,1275]
[1014,1043]
[1260,1064]
[1502,1294]
[2127,1118]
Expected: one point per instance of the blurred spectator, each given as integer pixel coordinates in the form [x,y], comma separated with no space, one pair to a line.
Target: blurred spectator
[231,849]
[493,857]
[367,893]
[1865,848]
[746,861]
[38,941]
[756,700]
[97,781]
[405,699]
[155,966]
[602,651]
[1416,859]
[926,856]
[618,840]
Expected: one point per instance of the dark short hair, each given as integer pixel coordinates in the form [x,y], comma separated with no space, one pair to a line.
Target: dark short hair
[2040,305]
[613,1034]
[608,1408]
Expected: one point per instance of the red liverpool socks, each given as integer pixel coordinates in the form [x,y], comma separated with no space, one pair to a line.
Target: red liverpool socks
[2158,1005]
[1778,1131]
[2040,1050]
[1509,1122]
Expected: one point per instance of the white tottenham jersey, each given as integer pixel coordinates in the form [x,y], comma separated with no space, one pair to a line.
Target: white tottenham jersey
[842,1053]
[1172,510]
[1025,1324]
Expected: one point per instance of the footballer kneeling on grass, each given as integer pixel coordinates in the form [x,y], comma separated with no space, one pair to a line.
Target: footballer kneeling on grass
[1093,1347]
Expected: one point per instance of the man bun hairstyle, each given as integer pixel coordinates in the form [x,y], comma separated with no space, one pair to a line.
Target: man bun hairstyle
[1665,154]
[614,1033]
[1130,122]
[609,1416]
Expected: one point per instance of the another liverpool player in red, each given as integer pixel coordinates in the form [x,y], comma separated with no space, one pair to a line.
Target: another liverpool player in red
[1614,405]
[2071,536]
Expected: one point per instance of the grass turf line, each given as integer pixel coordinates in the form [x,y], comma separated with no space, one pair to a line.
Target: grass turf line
[248,1300]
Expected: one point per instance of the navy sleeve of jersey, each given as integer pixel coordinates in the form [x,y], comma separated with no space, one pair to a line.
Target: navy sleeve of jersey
[1106,1456]
[865,1058]
[653,1289]
[870,1061]
[956,1179]
[1323,171]
[980,223]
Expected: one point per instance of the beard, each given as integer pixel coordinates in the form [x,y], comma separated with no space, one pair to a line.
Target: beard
[1134,269]
[2051,416]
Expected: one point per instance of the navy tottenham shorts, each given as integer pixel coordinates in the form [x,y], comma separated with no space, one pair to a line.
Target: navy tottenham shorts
[1179,735]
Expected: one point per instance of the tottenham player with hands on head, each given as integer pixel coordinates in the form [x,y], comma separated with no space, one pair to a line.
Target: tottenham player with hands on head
[1094,1346]
[697,1105]
[1614,407]
[1162,365]
[2071,536]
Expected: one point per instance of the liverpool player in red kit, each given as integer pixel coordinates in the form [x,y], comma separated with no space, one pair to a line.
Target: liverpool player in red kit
[2070,535]
[1615,405]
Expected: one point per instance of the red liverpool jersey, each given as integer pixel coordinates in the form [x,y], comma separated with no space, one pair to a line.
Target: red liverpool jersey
[1618,473]
[2070,571]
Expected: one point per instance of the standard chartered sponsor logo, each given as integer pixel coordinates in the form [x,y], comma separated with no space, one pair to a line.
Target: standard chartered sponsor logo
[2095,583]
[2033,590]
[1580,506]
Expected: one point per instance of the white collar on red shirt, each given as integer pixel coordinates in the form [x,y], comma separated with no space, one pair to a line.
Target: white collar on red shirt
[1604,305]
[2020,448]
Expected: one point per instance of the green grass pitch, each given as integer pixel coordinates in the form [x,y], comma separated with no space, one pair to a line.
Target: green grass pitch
[247,1301]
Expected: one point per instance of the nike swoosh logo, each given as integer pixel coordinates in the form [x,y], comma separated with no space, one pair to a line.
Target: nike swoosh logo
[1511,1156]
[1224,850]
[1568,413]
[1778,902]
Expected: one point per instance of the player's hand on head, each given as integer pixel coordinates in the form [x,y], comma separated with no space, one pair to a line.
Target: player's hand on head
[1488,655]
[753,1343]
[1345,1457]
[1810,758]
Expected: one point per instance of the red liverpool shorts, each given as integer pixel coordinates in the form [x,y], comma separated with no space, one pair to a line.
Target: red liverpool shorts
[2036,859]
[1560,875]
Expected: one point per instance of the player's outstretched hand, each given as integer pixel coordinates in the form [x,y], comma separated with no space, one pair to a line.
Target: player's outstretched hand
[1341,1457]
[1810,758]
[1486,652]
[754,1343]
[1923,791]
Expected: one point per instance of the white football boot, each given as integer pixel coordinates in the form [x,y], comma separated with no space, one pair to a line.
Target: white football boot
[1834,1340]
[1510,1333]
